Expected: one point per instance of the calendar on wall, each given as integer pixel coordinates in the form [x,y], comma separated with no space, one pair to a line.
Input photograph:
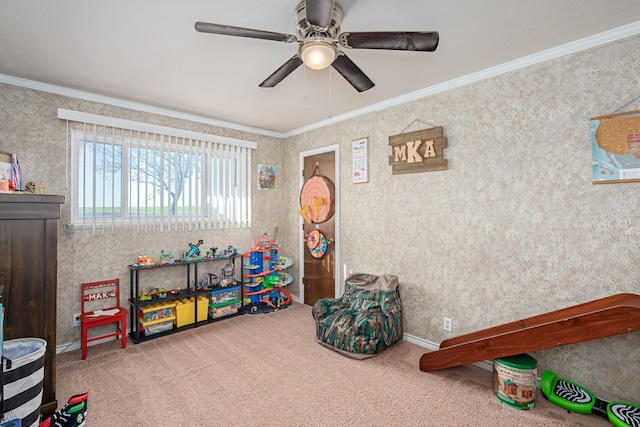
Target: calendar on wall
[360,167]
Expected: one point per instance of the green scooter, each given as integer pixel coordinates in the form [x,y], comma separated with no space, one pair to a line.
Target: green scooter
[575,398]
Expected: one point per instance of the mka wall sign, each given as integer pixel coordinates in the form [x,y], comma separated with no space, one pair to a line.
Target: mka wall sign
[419,151]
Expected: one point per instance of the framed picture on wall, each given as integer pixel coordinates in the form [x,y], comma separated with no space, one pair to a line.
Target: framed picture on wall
[266,177]
[360,166]
[6,171]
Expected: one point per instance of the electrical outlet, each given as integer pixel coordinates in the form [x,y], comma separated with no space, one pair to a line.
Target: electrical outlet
[76,319]
[448,324]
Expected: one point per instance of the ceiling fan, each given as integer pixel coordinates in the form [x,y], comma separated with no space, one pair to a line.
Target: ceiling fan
[318,24]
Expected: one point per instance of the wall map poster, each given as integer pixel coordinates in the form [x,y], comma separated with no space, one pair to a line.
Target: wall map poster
[615,148]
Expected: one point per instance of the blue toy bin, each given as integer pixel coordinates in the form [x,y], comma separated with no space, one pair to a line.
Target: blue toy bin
[23,379]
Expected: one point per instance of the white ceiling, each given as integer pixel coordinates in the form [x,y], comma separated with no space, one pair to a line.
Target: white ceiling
[147,52]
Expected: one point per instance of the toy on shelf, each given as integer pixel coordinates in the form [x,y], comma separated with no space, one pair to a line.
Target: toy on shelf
[285,278]
[203,285]
[285,262]
[575,398]
[145,260]
[263,282]
[161,293]
[213,279]
[224,302]
[230,251]
[211,253]
[193,254]
[228,275]
[265,242]
[166,258]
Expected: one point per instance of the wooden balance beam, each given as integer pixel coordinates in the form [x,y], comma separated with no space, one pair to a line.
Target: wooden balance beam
[605,317]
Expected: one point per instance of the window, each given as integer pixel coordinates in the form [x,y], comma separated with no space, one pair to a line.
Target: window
[153,178]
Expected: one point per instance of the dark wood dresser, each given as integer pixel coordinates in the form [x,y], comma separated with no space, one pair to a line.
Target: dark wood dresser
[29,272]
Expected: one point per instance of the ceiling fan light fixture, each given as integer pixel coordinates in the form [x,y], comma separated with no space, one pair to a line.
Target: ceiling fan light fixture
[318,55]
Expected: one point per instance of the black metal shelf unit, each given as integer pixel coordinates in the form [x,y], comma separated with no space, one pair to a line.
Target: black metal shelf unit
[190,290]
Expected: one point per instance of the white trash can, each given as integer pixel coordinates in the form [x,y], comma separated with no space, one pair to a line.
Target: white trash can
[23,379]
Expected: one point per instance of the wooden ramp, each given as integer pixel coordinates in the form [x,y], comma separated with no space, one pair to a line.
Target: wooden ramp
[605,317]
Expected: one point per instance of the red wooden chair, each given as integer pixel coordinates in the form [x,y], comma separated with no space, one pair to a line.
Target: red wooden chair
[101,306]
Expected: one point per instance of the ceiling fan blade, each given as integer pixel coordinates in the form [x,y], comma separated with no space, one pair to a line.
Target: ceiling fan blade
[350,71]
[282,72]
[426,41]
[227,30]
[319,12]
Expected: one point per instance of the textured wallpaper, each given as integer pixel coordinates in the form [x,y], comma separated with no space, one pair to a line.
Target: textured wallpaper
[513,228]
[29,126]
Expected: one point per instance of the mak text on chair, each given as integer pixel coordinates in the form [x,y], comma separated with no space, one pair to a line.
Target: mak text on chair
[101,306]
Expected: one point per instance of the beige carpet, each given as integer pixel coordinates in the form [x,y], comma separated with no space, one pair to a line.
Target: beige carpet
[267,369]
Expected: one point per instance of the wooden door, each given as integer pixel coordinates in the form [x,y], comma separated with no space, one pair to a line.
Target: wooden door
[320,273]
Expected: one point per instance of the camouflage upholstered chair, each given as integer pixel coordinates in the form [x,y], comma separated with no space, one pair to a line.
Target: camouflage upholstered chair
[365,320]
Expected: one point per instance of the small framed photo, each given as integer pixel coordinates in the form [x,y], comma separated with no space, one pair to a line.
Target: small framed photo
[6,171]
[266,177]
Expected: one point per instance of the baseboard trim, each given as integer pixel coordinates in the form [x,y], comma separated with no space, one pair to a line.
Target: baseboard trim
[485,364]
[75,345]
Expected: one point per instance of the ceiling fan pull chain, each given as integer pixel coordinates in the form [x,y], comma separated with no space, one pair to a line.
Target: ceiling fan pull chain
[330,96]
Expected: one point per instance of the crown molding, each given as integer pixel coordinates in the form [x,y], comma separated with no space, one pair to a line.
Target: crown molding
[88,96]
[536,58]
[546,55]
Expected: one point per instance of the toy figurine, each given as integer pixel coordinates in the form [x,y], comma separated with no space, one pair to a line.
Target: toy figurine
[264,242]
[228,273]
[166,258]
[145,260]
[195,249]
[230,251]
[30,187]
[203,285]
[212,279]
[211,253]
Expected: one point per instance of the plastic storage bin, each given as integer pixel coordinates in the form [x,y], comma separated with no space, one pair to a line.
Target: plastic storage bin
[153,312]
[218,312]
[156,328]
[156,318]
[23,380]
[185,311]
[223,297]
[224,302]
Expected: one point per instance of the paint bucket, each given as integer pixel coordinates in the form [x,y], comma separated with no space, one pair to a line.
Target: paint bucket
[514,380]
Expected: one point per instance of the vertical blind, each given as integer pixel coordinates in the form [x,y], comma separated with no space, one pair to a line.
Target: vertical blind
[146,178]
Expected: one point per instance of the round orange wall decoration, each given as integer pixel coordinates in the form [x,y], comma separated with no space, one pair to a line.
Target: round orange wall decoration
[317,193]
